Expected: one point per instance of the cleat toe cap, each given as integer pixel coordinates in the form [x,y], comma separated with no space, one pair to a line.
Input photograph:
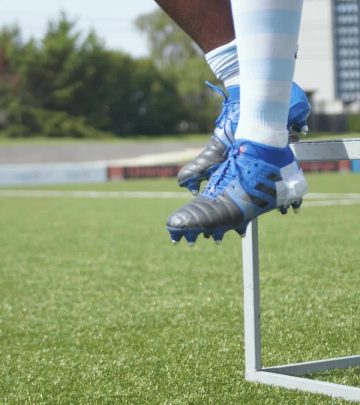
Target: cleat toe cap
[176,221]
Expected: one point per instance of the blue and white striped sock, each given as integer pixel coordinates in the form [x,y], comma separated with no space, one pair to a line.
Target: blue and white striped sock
[267,35]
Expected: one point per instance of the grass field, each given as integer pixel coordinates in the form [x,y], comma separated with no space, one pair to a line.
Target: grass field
[96,305]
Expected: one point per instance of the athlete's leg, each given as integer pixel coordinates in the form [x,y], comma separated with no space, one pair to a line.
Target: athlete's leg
[267,36]
[261,172]
[209,23]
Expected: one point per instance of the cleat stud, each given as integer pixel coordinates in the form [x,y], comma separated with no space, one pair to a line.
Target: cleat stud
[283,210]
[191,237]
[191,244]
[305,130]
[241,232]
[218,236]
[296,206]
[193,187]
[175,237]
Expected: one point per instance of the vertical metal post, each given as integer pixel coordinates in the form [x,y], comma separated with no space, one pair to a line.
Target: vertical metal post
[290,375]
[250,253]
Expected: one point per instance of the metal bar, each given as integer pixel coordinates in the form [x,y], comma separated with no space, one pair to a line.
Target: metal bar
[287,376]
[252,331]
[305,384]
[316,366]
[340,149]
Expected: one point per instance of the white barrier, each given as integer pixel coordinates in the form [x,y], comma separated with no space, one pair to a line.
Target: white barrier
[90,172]
[289,376]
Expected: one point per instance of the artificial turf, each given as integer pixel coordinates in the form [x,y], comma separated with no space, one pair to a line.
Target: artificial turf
[96,305]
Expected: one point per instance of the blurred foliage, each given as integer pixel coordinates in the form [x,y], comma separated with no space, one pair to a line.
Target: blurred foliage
[180,60]
[354,123]
[69,84]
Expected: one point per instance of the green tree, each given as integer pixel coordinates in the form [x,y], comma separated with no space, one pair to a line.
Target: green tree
[56,69]
[169,45]
[68,84]
[180,60]
[10,47]
[49,76]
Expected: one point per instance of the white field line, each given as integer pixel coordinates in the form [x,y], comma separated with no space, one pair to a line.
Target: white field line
[321,199]
[93,194]
[330,203]
[332,196]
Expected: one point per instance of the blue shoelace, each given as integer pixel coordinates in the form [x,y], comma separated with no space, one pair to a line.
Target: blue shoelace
[226,105]
[223,175]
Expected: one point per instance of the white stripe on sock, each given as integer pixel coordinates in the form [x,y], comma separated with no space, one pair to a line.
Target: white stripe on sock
[259,44]
[268,90]
[256,5]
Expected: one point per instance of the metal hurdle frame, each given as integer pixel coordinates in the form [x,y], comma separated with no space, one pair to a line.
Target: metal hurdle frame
[290,376]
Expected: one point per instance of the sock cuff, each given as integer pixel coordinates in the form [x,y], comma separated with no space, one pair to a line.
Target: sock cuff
[221,49]
[223,61]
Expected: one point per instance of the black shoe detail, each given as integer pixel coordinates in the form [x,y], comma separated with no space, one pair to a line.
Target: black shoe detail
[266,189]
[258,201]
[274,177]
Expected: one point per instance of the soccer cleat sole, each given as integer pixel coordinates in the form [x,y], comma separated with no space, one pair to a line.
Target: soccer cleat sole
[218,233]
[191,235]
